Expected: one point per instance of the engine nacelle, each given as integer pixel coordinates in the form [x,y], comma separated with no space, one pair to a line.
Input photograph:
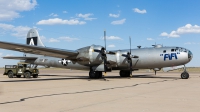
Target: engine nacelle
[91,56]
[87,56]
[121,60]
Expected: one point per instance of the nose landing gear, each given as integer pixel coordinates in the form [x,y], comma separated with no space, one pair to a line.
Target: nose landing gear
[185,74]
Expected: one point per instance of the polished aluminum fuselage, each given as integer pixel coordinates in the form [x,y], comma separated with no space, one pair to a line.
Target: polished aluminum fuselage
[148,58]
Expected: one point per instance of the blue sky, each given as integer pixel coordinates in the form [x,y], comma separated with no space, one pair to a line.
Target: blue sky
[72,24]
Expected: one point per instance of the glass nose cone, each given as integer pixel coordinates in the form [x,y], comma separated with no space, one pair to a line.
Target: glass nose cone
[190,55]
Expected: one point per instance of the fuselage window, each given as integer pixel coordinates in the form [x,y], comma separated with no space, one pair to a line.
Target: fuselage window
[164,51]
[172,50]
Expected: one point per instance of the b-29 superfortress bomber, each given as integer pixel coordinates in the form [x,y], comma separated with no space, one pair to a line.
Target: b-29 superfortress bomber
[96,59]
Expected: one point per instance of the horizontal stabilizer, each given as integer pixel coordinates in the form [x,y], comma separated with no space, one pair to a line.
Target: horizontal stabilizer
[19,58]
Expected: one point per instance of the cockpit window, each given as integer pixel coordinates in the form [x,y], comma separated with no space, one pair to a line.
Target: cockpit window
[164,51]
[183,50]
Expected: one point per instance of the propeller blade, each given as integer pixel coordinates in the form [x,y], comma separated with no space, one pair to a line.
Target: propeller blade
[130,43]
[125,55]
[131,68]
[105,38]
[130,57]
[135,56]
[97,50]
[105,57]
[105,64]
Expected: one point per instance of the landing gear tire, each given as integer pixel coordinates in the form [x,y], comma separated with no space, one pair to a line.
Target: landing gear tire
[95,74]
[185,75]
[35,76]
[124,73]
[100,75]
[18,76]
[27,75]
[10,74]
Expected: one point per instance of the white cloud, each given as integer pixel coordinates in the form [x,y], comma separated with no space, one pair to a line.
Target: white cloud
[9,9]
[53,40]
[139,11]
[190,43]
[9,55]
[114,15]
[60,21]
[112,45]
[113,38]
[6,26]
[54,15]
[65,12]
[60,39]
[118,22]
[187,29]
[86,16]
[163,34]
[17,31]
[172,34]
[43,38]
[68,39]
[90,19]
[150,39]
[161,38]
[21,31]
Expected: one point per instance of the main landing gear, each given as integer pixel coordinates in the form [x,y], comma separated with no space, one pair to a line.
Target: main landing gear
[185,74]
[95,74]
[124,73]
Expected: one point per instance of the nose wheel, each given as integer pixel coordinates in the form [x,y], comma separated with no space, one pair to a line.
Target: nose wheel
[185,74]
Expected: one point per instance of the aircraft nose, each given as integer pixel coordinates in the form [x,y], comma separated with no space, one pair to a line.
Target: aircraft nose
[190,55]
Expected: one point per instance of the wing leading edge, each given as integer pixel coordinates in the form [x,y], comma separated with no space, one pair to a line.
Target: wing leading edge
[46,51]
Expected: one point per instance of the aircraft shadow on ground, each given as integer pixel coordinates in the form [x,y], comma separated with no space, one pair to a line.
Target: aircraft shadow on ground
[69,77]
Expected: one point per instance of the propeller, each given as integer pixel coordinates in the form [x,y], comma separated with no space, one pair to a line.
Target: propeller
[104,56]
[103,53]
[129,58]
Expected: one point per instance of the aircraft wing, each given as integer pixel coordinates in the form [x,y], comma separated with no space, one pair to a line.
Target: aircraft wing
[19,58]
[47,51]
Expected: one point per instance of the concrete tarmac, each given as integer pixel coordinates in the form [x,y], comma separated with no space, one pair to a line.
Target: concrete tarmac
[62,90]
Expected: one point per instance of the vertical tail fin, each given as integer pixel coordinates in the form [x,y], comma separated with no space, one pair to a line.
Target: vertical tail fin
[33,38]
